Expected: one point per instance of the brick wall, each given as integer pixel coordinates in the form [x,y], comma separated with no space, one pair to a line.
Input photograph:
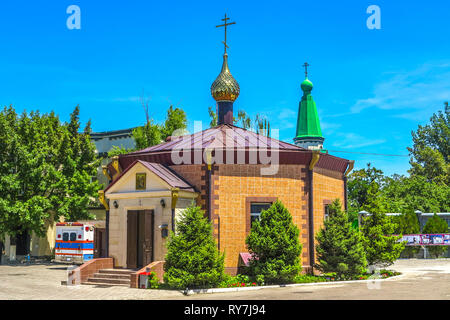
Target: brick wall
[233,184]
[195,175]
[327,186]
[88,269]
[155,266]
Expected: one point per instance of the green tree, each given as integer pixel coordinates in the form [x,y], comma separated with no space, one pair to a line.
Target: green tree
[116,151]
[212,116]
[244,119]
[147,136]
[381,247]
[176,121]
[431,149]
[274,245]
[192,260]
[262,125]
[407,223]
[358,185]
[340,247]
[436,225]
[45,170]
[416,193]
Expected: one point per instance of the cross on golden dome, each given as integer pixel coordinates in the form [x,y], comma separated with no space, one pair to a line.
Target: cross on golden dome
[225,25]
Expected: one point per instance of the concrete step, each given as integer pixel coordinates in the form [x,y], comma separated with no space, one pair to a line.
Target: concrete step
[111,276]
[106,284]
[109,281]
[117,271]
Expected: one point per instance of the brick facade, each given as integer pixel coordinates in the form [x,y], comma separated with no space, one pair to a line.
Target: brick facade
[327,185]
[235,186]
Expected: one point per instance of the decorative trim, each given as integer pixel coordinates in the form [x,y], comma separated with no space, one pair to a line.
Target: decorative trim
[102,199]
[351,164]
[314,159]
[151,194]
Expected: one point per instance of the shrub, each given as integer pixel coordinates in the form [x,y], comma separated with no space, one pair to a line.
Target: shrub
[339,246]
[306,278]
[408,223]
[436,225]
[381,247]
[153,280]
[274,245]
[239,280]
[192,260]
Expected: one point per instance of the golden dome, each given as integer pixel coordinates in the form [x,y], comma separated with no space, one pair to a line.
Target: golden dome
[225,87]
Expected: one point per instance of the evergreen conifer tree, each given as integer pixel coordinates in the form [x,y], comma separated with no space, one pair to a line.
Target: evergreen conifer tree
[408,223]
[192,260]
[274,245]
[436,225]
[381,246]
[340,247]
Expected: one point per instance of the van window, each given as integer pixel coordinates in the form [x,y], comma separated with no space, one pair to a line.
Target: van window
[73,236]
[65,236]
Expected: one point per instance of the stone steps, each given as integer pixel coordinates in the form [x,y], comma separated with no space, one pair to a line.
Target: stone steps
[117,271]
[111,277]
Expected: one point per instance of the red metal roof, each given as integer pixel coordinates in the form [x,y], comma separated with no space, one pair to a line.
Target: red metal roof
[229,137]
[219,137]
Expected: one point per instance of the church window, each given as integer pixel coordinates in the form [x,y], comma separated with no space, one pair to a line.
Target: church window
[255,210]
[327,211]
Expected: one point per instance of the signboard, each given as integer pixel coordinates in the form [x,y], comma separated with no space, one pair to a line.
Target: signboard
[442,239]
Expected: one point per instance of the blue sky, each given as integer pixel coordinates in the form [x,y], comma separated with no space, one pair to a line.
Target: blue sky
[371,87]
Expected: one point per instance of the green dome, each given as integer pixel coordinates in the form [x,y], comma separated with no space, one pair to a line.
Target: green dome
[306,85]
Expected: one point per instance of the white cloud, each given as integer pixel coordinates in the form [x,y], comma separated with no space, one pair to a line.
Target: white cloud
[287,114]
[420,89]
[355,141]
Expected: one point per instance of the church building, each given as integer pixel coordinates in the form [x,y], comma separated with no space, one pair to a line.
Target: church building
[232,173]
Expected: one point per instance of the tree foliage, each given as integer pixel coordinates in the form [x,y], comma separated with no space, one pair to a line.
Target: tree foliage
[175,123]
[398,193]
[436,225]
[147,136]
[340,247]
[153,133]
[192,260]
[407,223]
[359,182]
[212,116]
[45,170]
[274,245]
[381,246]
[431,149]
[427,188]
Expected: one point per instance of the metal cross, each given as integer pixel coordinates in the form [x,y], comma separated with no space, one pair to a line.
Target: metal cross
[306,65]
[225,25]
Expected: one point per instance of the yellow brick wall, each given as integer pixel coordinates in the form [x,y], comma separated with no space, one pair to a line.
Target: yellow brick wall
[327,186]
[237,182]
[233,184]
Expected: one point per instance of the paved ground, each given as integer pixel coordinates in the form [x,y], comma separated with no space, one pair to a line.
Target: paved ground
[421,279]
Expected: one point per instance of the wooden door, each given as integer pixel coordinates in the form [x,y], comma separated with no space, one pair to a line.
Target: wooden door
[148,237]
[99,242]
[132,220]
